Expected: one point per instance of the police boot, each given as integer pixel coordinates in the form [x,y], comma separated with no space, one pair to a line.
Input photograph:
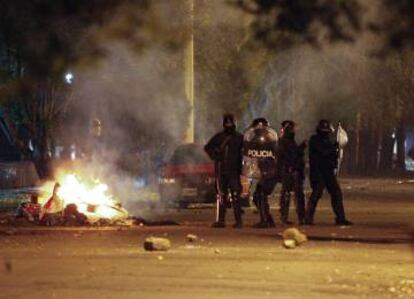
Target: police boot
[237,212]
[343,222]
[270,221]
[309,219]
[269,218]
[340,214]
[263,212]
[284,208]
[256,201]
[310,211]
[338,207]
[300,211]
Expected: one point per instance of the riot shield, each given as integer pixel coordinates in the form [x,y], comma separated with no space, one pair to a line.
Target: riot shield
[259,151]
[342,140]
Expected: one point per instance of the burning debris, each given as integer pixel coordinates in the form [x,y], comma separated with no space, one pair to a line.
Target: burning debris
[74,202]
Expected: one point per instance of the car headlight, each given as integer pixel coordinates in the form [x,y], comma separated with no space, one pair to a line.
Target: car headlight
[167,180]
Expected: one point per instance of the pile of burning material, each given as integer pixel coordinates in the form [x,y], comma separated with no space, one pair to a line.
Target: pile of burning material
[72,201]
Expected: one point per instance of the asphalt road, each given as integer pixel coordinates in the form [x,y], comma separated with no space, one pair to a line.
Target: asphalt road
[372,259]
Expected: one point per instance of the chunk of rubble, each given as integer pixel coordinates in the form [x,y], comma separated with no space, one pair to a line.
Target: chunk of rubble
[289,244]
[192,238]
[157,244]
[292,237]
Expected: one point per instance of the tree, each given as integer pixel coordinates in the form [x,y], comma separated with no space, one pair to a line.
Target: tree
[281,24]
[41,40]
[368,85]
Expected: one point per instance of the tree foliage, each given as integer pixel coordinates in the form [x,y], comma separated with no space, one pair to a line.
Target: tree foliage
[284,23]
[41,40]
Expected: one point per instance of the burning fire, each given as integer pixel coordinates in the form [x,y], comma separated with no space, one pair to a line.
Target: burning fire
[91,198]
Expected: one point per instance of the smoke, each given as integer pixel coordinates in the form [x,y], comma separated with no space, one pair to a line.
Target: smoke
[139,96]
[130,79]
[306,84]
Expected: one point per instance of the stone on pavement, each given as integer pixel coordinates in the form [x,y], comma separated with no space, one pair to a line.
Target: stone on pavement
[294,234]
[289,244]
[157,244]
[192,238]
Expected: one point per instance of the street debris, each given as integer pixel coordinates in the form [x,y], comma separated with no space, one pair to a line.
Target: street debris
[192,238]
[8,266]
[157,244]
[404,288]
[217,251]
[143,222]
[405,182]
[8,232]
[190,246]
[289,244]
[292,237]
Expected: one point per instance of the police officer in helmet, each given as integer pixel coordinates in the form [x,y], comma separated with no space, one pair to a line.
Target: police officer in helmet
[225,148]
[291,165]
[323,160]
[265,140]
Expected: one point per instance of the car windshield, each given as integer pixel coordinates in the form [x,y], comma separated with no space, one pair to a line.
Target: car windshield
[189,155]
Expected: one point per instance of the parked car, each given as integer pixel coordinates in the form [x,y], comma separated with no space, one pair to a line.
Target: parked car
[188,177]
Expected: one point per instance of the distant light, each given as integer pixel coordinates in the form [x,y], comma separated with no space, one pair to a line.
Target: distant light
[73,152]
[69,78]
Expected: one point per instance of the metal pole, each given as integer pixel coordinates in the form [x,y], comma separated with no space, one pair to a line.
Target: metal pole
[189,75]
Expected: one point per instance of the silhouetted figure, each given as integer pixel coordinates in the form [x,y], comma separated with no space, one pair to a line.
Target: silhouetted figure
[225,148]
[260,149]
[291,165]
[323,160]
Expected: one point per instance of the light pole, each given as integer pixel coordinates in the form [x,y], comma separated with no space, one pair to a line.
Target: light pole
[189,75]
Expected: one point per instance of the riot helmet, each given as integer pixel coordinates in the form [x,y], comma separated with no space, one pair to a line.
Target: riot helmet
[260,132]
[288,128]
[324,127]
[260,120]
[229,122]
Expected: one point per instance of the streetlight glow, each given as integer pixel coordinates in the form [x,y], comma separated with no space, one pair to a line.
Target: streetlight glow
[69,78]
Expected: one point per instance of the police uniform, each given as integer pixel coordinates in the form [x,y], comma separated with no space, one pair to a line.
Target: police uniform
[323,162]
[225,148]
[259,150]
[291,167]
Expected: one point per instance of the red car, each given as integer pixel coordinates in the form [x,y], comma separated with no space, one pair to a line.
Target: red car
[187,178]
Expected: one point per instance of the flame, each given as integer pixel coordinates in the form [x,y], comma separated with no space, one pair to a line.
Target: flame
[91,198]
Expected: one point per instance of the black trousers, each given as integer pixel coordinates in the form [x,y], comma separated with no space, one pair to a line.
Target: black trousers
[292,181]
[228,187]
[327,179]
[263,189]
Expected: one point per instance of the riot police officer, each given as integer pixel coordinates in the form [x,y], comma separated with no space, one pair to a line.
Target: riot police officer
[291,165]
[323,160]
[225,148]
[260,147]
